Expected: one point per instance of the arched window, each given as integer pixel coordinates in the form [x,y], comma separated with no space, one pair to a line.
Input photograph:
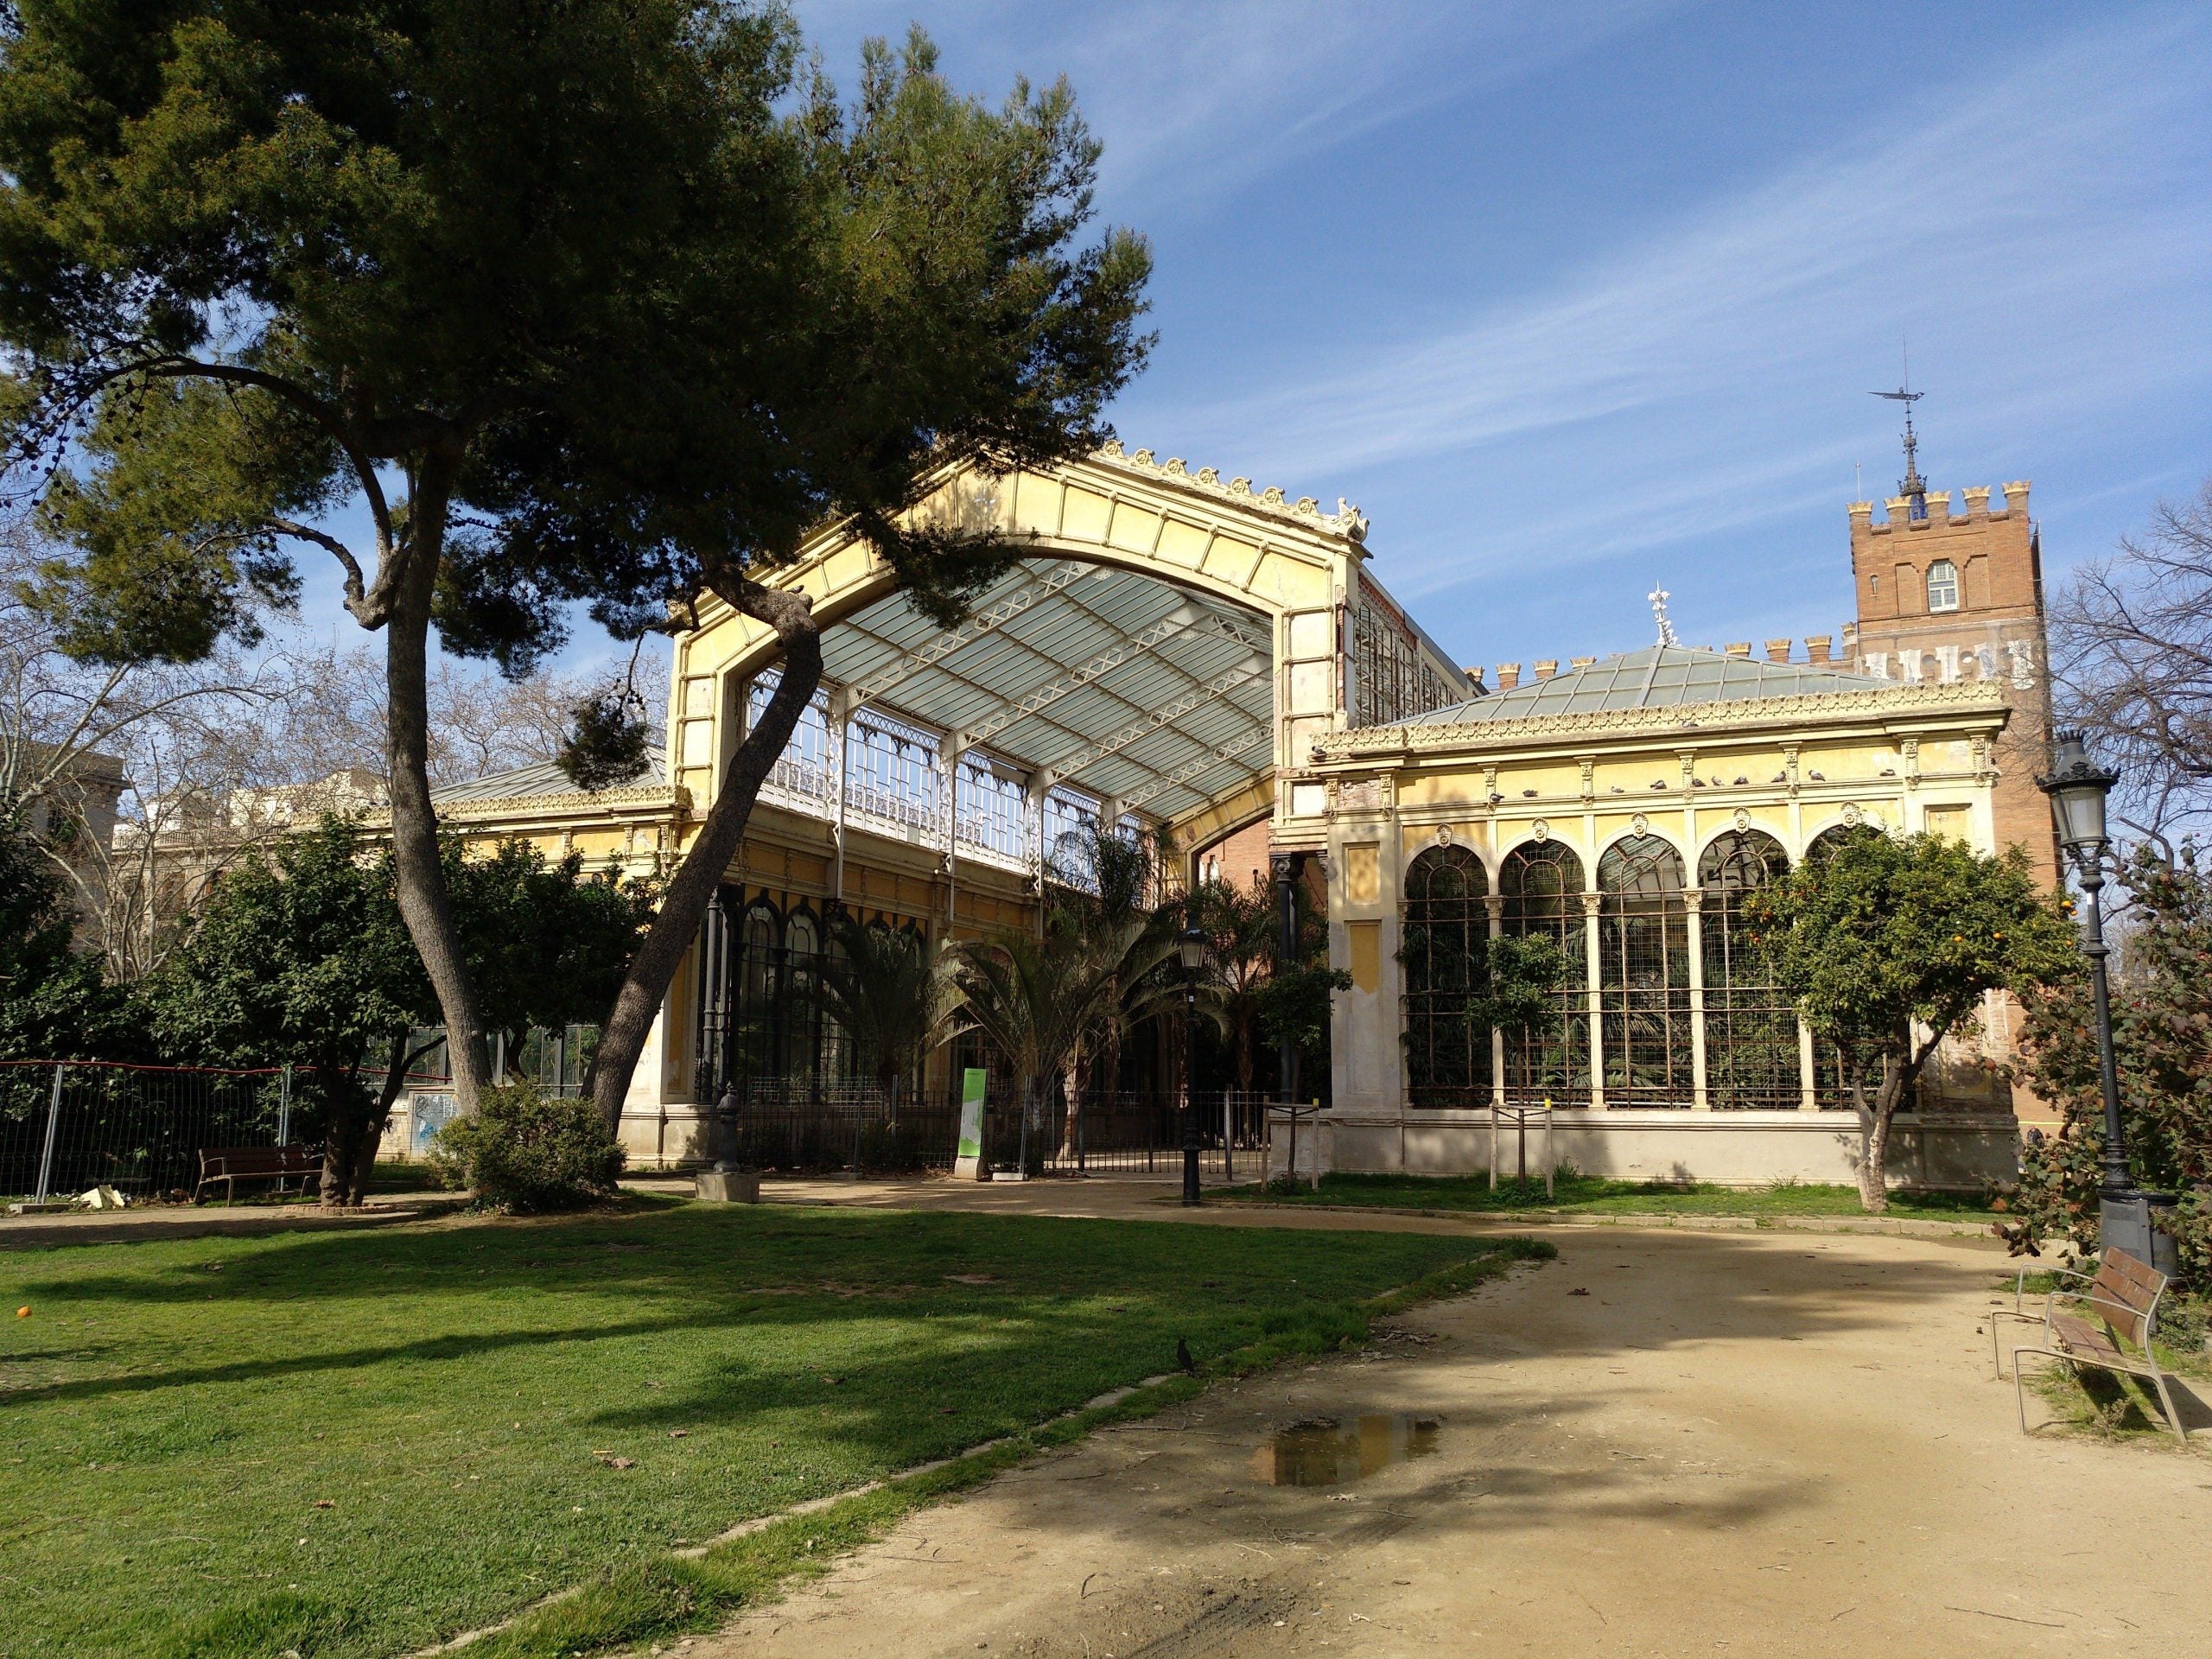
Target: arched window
[1644,979]
[1541,886]
[802,1010]
[1751,1030]
[1826,841]
[1943,586]
[1446,952]
[1828,1061]
[758,977]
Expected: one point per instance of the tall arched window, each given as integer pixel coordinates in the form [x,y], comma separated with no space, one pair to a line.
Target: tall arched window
[1751,1030]
[802,1020]
[1644,989]
[1446,952]
[1943,586]
[758,979]
[1827,1059]
[1541,886]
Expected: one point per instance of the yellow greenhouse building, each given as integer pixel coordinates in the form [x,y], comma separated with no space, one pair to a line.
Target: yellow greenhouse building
[1176,649]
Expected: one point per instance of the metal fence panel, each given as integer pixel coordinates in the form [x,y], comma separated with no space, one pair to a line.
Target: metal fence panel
[139,1129]
[802,1125]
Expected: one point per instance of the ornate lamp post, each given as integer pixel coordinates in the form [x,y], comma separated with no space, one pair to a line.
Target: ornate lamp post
[2077,788]
[1191,946]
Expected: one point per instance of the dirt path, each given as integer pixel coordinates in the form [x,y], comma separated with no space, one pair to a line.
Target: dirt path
[1663,1443]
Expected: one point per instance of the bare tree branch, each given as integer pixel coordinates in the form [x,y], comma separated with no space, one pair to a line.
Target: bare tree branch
[2132,659]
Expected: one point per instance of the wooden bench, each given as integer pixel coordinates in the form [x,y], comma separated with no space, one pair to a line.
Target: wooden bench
[2122,1305]
[231,1165]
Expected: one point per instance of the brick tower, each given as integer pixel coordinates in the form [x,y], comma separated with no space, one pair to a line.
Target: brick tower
[1949,596]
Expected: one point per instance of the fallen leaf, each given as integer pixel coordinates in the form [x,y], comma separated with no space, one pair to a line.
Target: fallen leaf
[326,1503]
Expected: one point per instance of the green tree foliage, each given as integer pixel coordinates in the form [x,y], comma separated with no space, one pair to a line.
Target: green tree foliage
[547,944]
[54,1003]
[528,1153]
[1888,945]
[2162,1044]
[299,956]
[1240,924]
[606,301]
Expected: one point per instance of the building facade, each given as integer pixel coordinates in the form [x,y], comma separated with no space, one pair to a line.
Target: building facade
[1176,650]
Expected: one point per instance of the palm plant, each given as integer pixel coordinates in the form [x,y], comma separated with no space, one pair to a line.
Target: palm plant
[1241,922]
[1037,998]
[890,994]
[1105,883]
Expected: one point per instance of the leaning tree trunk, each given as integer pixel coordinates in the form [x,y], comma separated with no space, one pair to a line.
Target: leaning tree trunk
[622,1038]
[423,902]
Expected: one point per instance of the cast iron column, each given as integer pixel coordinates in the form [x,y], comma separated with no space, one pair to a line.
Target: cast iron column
[1189,1052]
[1286,873]
[2091,867]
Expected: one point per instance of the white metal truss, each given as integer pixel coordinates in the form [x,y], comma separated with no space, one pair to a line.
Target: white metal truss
[1190,769]
[1186,620]
[1220,686]
[990,620]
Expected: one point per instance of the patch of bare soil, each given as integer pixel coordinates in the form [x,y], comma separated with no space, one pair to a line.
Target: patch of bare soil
[1662,1443]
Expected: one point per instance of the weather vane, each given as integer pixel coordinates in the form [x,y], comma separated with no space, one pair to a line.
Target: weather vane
[1911,486]
[1659,596]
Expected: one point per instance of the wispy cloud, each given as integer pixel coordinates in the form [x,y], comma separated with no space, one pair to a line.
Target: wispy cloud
[1195,101]
[2042,232]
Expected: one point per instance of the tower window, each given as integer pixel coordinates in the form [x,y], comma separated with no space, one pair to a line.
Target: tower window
[1943,586]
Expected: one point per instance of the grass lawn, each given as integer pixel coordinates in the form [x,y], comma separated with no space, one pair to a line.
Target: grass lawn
[1584,1194]
[361,1442]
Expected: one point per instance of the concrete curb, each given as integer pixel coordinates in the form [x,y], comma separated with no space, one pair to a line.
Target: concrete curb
[1511,1221]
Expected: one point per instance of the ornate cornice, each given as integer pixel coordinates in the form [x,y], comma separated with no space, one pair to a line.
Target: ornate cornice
[1961,696]
[639,799]
[1304,511]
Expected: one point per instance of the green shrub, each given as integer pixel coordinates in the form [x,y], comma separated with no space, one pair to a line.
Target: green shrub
[526,1152]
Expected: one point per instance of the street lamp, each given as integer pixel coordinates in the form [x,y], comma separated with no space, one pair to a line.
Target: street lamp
[2077,788]
[1191,946]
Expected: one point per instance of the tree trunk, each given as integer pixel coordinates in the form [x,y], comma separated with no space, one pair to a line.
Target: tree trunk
[345,1109]
[372,1129]
[1071,1095]
[1874,1165]
[424,901]
[676,928]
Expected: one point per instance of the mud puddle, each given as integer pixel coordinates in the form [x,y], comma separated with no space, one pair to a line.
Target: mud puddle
[1333,1452]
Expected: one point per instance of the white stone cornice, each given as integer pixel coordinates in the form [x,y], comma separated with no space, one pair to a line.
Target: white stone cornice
[1878,706]
[643,800]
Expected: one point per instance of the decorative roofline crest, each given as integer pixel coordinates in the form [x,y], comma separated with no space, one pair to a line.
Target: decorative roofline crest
[1673,719]
[1346,521]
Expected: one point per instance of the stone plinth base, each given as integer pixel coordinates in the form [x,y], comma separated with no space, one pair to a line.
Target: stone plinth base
[729,1186]
[1957,1152]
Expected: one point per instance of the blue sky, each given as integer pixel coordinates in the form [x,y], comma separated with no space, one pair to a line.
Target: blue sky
[1572,299]
[1575,300]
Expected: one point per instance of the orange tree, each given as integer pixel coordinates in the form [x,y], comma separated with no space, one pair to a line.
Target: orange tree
[1888,945]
